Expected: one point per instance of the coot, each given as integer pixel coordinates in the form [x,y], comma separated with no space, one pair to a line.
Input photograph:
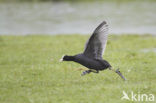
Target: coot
[93,52]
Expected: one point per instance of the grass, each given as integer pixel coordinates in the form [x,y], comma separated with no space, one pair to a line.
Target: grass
[30,71]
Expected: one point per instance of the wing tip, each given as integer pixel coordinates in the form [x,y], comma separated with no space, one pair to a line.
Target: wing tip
[104,22]
[101,26]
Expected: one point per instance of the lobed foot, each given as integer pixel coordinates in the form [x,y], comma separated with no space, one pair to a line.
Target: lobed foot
[89,71]
[85,72]
[120,74]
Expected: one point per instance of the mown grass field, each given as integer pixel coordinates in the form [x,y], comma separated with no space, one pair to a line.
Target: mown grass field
[30,71]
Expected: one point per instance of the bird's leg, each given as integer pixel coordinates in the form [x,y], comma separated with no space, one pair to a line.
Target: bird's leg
[94,71]
[118,72]
[86,72]
[89,71]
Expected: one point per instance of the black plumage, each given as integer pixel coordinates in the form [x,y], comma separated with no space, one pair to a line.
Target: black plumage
[93,52]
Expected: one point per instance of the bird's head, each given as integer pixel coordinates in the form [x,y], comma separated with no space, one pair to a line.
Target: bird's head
[67,58]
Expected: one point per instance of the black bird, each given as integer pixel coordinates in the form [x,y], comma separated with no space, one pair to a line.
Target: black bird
[93,52]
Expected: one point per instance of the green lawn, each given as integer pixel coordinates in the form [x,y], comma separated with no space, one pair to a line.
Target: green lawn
[30,71]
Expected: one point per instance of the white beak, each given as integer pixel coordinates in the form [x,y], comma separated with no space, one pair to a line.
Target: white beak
[61,59]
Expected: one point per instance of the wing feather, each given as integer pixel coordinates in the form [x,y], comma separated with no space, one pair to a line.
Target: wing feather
[96,44]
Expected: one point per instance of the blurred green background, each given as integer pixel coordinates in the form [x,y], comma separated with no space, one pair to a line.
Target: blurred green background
[34,35]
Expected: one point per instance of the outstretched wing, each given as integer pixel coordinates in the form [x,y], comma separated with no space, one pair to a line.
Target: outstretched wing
[96,44]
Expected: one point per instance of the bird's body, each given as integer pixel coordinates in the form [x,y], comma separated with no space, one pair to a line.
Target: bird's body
[92,57]
[96,64]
